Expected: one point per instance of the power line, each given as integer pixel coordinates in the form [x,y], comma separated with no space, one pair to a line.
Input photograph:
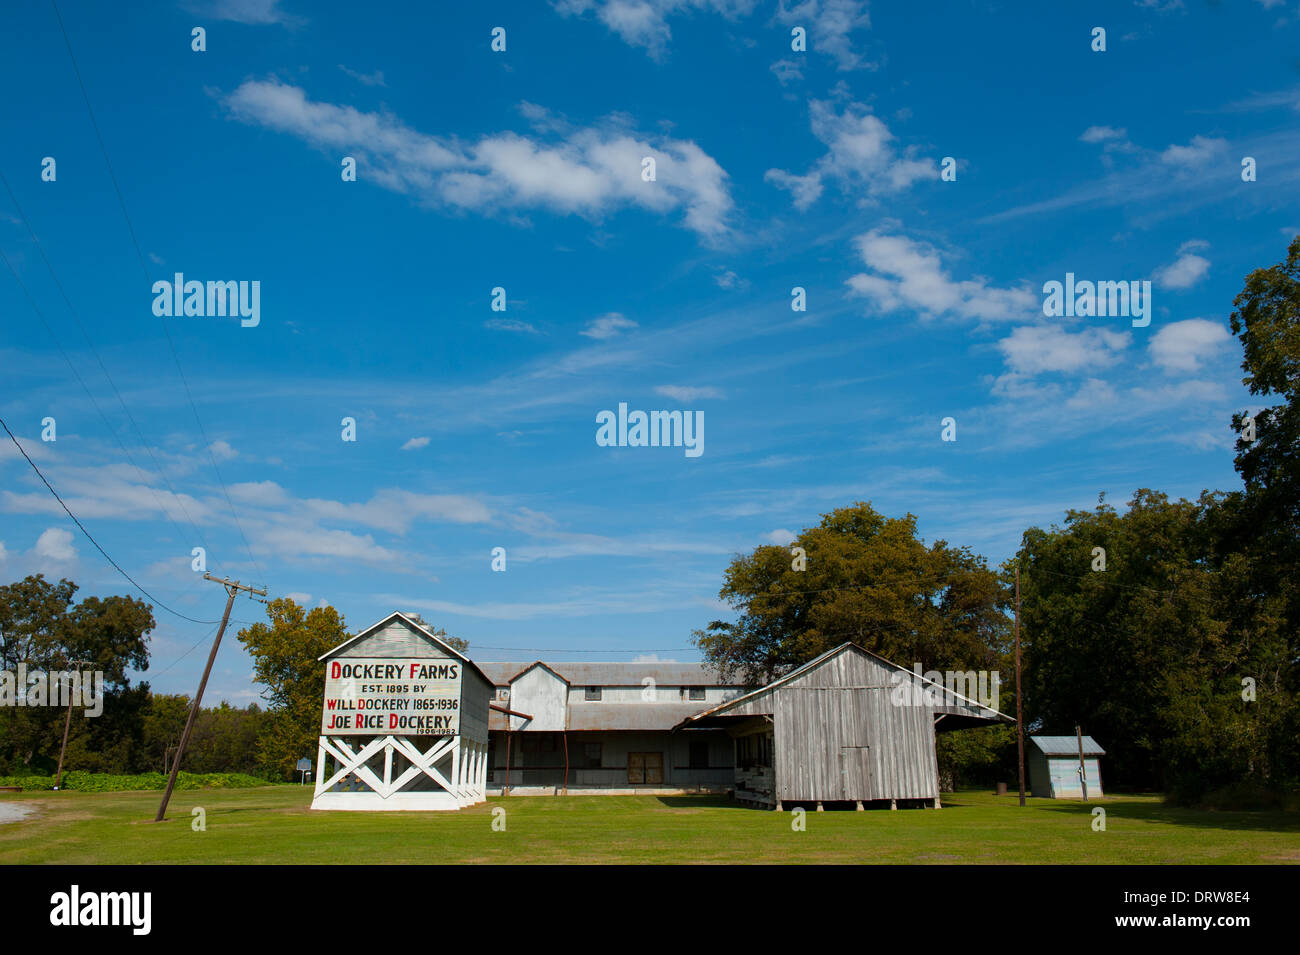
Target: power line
[89,537]
[148,278]
[157,467]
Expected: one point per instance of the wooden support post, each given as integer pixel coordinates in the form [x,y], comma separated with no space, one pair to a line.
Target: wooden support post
[778,806]
[936,803]
[893,804]
[819,805]
[858,805]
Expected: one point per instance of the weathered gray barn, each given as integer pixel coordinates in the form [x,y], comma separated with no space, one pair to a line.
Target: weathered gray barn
[847,727]
[1053,766]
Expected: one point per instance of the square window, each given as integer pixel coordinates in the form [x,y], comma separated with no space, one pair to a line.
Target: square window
[591,693]
[696,693]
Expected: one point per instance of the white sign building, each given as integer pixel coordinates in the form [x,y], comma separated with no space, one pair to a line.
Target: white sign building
[404,722]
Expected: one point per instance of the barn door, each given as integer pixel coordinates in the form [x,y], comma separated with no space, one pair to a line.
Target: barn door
[645,768]
[855,772]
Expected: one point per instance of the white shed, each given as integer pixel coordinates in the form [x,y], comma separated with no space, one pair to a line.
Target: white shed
[1053,764]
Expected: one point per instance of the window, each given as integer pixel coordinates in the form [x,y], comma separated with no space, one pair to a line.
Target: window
[699,754]
[591,693]
[696,693]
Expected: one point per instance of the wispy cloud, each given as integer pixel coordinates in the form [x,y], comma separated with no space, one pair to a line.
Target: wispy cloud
[588,171]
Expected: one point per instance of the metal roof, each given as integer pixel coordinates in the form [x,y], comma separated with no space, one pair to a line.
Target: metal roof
[1066,746]
[610,717]
[666,673]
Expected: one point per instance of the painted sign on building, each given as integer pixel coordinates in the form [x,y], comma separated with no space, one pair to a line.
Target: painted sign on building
[392,697]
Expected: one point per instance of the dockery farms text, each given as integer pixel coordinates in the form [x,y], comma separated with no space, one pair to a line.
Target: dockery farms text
[392,697]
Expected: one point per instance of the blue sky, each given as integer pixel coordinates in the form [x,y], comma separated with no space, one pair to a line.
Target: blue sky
[522,170]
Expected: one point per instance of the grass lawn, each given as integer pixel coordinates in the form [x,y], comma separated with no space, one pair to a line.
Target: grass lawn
[274,825]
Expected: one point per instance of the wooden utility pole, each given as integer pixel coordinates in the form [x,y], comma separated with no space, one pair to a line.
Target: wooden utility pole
[1083,766]
[67,725]
[1020,720]
[232,587]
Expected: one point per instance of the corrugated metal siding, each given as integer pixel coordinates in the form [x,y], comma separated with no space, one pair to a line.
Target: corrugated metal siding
[475,693]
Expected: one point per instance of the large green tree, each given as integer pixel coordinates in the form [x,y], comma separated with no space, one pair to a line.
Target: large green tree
[285,653]
[868,579]
[41,627]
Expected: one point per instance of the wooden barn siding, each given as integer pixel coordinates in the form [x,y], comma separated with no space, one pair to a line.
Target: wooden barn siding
[395,640]
[845,702]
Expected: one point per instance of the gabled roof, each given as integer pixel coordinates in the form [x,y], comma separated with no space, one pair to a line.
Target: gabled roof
[1066,746]
[545,666]
[419,630]
[817,661]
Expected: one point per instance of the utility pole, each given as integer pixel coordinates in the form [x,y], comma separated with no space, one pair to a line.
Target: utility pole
[1020,720]
[232,587]
[1083,766]
[67,723]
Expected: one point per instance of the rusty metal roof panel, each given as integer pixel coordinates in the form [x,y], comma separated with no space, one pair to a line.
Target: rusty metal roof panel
[629,716]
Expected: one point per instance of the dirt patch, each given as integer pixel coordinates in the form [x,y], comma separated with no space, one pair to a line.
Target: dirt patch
[15,811]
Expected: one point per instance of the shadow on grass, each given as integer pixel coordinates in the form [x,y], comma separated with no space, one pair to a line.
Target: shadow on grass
[1147,811]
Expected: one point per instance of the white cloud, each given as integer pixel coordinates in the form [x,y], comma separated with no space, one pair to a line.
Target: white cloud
[415,443]
[860,153]
[254,12]
[587,171]
[909,274]
[608,326]
[1101,134]
[1035,349]
[222,451]
[644,23]
[299,597]
[1196,153]
[4,554]
[55,544]
[687,393]
[367,79]
[781,537]
[1182,346]
[829,23]
[1187,269]
[510,325]
[786,71]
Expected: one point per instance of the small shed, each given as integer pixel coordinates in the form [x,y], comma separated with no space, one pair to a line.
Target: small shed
[1053,764]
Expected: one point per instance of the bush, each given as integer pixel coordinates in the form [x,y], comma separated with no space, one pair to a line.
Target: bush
[104,782]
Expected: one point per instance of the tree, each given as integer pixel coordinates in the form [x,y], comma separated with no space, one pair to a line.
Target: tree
[1267,322]
[868,580]
[41,628]
[1149,654]
[285,656]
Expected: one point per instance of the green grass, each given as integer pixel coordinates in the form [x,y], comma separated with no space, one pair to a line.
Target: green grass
[274,825]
